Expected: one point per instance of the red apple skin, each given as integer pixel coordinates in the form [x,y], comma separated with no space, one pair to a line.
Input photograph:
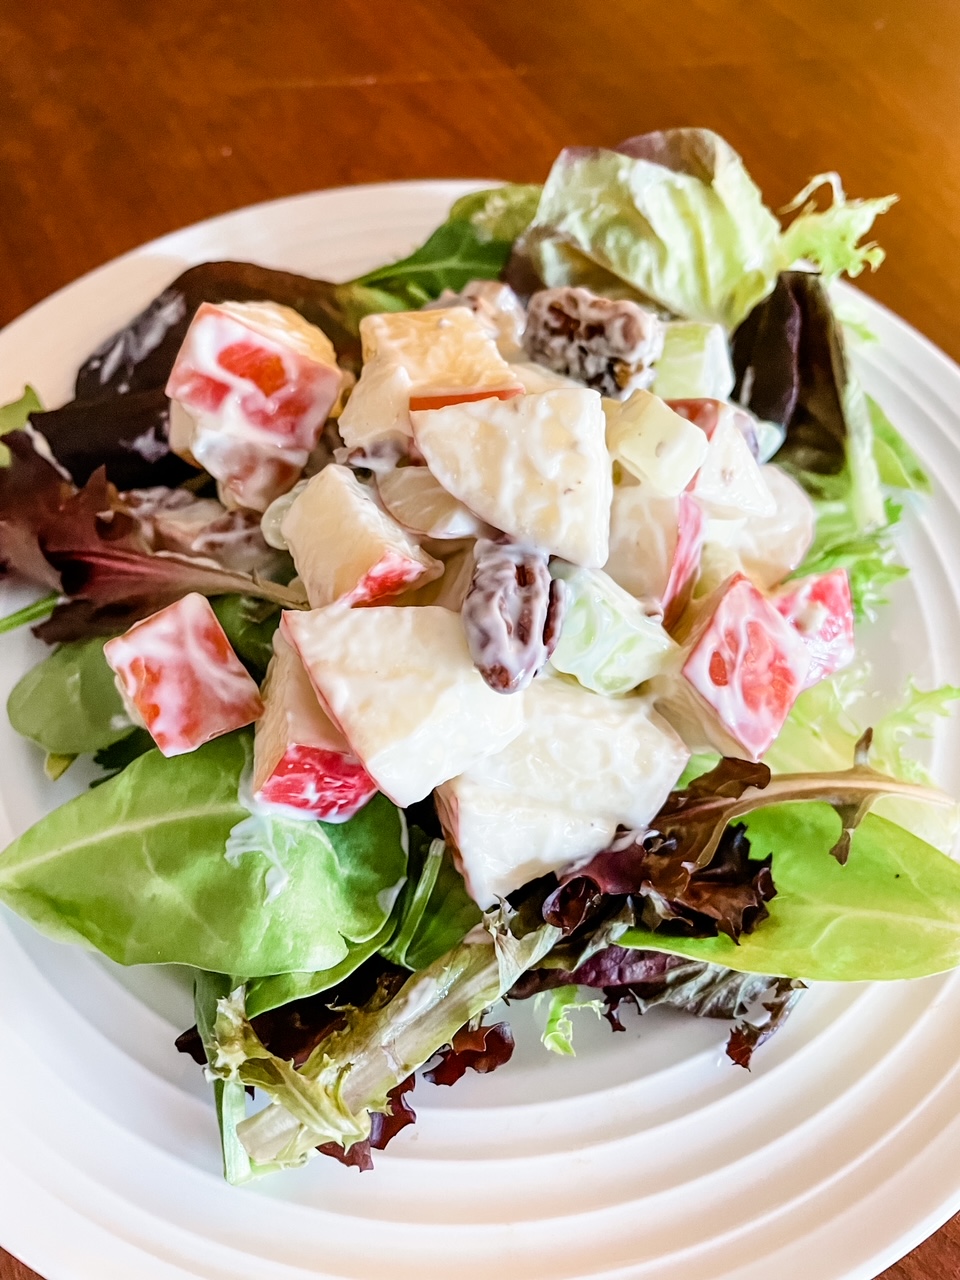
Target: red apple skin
[820,608]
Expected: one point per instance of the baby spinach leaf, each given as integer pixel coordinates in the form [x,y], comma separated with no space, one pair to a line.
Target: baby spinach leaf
[249,625]
[436,912]
[892,912]
[264,994]
[162,864]
[473,244]
[68,703]
[119,754]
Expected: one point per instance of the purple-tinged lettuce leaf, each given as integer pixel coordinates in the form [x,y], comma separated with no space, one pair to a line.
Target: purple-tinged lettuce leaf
[892,912]
[350,1073]
[473,1048]
[125,434]
[792,369]
[758,1005]
[140,356]
[384,1127]
[86,545]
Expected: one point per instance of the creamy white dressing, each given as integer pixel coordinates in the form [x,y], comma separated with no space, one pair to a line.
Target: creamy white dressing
[253,461]
[345,547]
[401,685]
[535,467]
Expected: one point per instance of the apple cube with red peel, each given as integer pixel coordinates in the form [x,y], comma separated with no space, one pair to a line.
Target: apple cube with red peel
[346,548]
[821,610]
[180,679]
[301,760]
[729,481]
[743,666]
[252,386]
[401,685]
[419,360]
[769,548]
[655,545]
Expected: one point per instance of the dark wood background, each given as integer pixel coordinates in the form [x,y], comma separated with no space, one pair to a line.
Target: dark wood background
[124,119]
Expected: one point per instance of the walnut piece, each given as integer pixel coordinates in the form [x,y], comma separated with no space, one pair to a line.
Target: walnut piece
[512,614]
[608,344]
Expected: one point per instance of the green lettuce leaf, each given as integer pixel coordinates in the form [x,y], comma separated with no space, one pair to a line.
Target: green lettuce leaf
[893,911]
[898,465]
[163,864]
[264,994]
[34,612]
[15,416]
[119,754]
[674,218]
[558,1031]
[831,238]
[352,1070]
[870,558]
[249,625]
[473,244]
[826,723]
[68,703]
[230,1096]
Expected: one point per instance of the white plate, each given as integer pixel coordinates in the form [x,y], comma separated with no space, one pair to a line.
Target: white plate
[646,1156]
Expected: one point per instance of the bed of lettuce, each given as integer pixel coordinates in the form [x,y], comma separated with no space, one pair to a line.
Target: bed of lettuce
[334,962]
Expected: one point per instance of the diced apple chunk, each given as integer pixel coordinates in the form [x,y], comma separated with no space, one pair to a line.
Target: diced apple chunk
[346,548]
[730,481]
[301,760]
[504,840]
[655,545]
[417,499]
[536,468]
[769,547]
[251,387]
[418,359]
[655,444]
[180,679]
[742,668]
[821,611]
[401,685]
[582,766]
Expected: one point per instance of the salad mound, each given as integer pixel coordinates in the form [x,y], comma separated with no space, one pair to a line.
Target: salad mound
[480,629]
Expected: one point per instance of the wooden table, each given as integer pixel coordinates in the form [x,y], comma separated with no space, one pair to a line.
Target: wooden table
[121,120]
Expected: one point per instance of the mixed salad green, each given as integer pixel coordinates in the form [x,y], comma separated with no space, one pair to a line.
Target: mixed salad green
[535,560]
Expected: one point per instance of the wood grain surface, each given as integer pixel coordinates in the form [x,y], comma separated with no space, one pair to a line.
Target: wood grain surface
[124,119]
